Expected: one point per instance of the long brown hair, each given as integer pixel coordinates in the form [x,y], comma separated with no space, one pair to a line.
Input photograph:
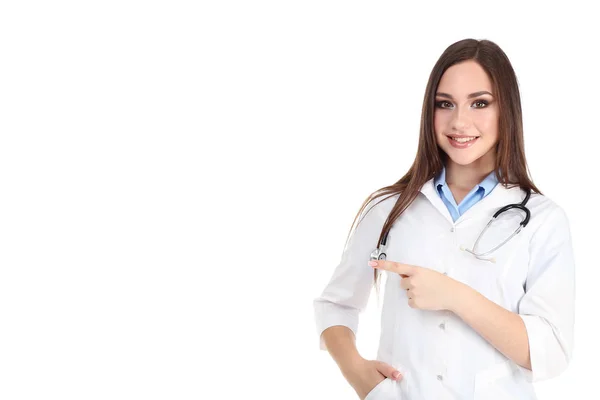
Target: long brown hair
[511,166]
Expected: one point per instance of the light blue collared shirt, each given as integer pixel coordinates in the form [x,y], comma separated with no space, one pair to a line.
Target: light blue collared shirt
[477,193]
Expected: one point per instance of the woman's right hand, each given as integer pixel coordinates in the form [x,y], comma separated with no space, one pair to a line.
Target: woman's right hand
[367,374]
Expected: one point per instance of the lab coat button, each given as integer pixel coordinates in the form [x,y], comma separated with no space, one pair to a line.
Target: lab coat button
[442,325]
[452,229]
[445,273]
[440,377]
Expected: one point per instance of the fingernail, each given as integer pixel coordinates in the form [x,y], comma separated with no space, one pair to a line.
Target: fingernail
[396,375]
[372,263]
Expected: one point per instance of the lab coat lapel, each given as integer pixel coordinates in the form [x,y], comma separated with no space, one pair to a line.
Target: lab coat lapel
[499,197]
[432,195]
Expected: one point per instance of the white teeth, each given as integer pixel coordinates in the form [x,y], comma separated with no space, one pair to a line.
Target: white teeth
[463,140]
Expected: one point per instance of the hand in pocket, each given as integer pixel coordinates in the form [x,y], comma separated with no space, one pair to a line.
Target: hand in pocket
[368,374]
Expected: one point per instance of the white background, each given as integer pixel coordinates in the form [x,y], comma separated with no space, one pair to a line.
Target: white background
[177,180]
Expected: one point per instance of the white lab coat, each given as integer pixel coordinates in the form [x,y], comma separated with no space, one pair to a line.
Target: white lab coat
[439,355]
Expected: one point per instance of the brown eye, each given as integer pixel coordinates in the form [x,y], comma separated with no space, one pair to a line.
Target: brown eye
[441,104]
[485,103]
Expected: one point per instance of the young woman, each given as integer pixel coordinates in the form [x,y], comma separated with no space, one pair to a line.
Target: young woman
[462,318]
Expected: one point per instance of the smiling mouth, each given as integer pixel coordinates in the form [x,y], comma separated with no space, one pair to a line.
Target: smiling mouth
[463,139]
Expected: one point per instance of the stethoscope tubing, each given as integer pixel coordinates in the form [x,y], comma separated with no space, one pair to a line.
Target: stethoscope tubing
[379,252]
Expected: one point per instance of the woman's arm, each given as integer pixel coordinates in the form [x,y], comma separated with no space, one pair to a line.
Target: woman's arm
[341,345]
[347,293]
[503,329]
[540,336]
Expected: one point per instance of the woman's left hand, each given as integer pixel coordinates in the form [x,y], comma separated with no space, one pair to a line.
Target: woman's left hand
[426,288]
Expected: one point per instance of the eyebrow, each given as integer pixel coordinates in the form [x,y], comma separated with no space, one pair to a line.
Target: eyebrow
[441,94]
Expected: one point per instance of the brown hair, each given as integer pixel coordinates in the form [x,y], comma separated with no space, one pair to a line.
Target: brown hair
[511,166]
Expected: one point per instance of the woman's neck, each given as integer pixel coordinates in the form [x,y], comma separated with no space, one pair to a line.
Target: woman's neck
[465,177]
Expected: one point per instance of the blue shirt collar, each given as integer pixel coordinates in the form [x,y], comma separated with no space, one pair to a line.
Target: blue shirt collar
[487,184]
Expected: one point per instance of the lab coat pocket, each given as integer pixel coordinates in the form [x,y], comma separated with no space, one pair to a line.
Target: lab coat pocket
[387,389]
[391,389]
[402,384]
[372,395]
[493,383]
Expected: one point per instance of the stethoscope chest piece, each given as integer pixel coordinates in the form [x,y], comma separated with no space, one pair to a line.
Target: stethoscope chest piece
[378,254]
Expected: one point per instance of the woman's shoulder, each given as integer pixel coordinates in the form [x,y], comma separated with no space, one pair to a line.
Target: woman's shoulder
[543,203]
[382,204]
[546,212]
[377,209]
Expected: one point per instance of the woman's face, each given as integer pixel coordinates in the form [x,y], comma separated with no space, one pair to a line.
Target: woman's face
[465,106]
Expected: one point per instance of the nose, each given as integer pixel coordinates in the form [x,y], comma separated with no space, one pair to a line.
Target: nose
[460,121]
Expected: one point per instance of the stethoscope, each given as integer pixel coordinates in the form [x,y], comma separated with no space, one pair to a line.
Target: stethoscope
[379,252]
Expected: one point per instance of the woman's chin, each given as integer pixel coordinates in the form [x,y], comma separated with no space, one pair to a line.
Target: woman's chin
[464,159]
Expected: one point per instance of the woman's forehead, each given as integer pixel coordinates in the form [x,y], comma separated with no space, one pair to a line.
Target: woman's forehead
[464,79]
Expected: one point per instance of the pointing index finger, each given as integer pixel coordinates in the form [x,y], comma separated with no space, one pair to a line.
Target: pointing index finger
[399,268]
